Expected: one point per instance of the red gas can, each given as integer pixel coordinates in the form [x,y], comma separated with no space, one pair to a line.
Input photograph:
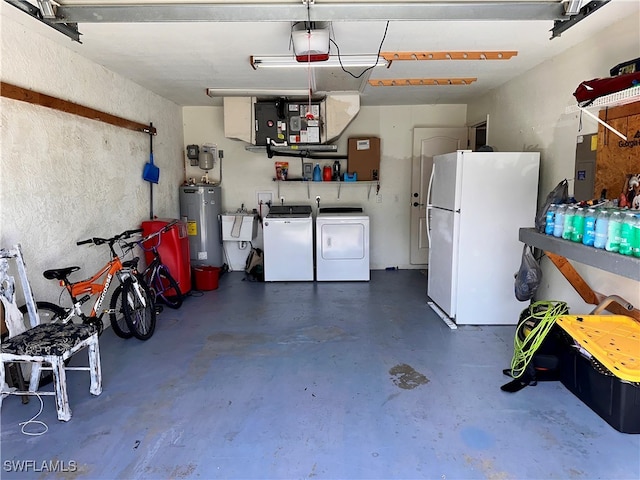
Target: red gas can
[173,250]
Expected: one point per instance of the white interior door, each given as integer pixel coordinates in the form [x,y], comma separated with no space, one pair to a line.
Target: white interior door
[427,142]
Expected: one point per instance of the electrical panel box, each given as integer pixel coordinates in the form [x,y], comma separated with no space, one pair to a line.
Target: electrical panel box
[290,123]
[271,123]
[586,148]
[304,122]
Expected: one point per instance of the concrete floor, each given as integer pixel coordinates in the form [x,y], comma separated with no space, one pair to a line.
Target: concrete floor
[315,380]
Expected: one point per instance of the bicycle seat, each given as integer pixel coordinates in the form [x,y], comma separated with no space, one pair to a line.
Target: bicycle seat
[59,273]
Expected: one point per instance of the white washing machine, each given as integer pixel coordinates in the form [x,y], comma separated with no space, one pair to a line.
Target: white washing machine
[288,243]
[342,244]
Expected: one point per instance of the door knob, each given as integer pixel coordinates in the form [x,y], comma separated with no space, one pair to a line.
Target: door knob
[416,204]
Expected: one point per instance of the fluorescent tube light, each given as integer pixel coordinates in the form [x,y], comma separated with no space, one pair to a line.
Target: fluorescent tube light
[286,61]
[256,92]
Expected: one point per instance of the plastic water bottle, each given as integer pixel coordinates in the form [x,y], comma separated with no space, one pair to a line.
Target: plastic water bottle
[549,219]
[568,223]
[613,232]
[558,223]
[577,231]
[626,234]
[317,173]
[635,243]
[589,236]
[602,226]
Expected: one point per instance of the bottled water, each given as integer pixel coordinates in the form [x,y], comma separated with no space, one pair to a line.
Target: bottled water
[558,222]
[568,223]
[578,225]
[549,220]
[613,232]
[589,236]
[602,226]
[635,242]
[626,233]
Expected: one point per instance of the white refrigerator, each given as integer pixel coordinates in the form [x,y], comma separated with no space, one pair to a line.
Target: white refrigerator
[477,203]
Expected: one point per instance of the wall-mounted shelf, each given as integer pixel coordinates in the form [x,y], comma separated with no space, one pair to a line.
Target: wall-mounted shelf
[624,265]
[629,95]
[338,185]
[622,97]
[560,251]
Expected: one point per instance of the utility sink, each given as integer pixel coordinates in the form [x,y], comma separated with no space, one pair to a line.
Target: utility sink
[239,227]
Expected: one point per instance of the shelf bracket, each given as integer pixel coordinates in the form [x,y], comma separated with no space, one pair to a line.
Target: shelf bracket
[604,124]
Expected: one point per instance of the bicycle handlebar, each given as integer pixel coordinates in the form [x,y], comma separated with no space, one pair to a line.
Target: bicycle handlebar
[112,240]
[164,229]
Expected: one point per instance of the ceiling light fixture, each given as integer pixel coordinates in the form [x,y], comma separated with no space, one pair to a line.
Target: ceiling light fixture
[256,92]
[287,61]
[405,82]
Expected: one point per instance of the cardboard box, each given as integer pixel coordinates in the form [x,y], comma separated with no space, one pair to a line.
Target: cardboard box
[364,158]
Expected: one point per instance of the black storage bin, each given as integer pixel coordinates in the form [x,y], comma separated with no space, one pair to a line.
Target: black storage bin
[615,400]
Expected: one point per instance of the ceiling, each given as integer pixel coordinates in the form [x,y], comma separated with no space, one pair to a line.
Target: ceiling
[178,52]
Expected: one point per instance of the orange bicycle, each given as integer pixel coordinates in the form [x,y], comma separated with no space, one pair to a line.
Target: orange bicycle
[131,304]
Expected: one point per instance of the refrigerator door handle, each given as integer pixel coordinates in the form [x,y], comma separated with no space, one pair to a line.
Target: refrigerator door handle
[429,204]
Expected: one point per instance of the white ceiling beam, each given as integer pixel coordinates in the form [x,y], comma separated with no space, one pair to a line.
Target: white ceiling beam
[280,12]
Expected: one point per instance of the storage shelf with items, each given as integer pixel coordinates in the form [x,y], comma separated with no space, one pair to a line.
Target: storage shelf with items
[624,265]
[614,230]
[337,184]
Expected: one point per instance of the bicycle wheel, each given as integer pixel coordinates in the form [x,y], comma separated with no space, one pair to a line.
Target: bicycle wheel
[117,315]
[141,318]
[167,289]
[48,312]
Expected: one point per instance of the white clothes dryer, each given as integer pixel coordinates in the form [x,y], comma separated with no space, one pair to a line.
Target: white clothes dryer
[342,244]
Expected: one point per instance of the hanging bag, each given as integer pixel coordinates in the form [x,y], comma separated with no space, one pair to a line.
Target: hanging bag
[528,277]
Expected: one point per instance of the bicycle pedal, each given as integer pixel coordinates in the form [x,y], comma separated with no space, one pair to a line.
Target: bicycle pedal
[159,309]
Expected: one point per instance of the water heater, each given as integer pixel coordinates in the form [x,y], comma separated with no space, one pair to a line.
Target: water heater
[200,209]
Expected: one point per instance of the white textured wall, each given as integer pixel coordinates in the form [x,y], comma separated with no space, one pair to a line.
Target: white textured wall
[64,178]
[245,173]
[529,113]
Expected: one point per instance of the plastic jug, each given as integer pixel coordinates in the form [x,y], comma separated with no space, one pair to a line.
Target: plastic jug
[626,234]
[317,174]
[635,242]
[613,232]
[568,223]
[577,231]
[558,222]
[327,174]
[336,171]
[602,227]
[589,236]
[549,219]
